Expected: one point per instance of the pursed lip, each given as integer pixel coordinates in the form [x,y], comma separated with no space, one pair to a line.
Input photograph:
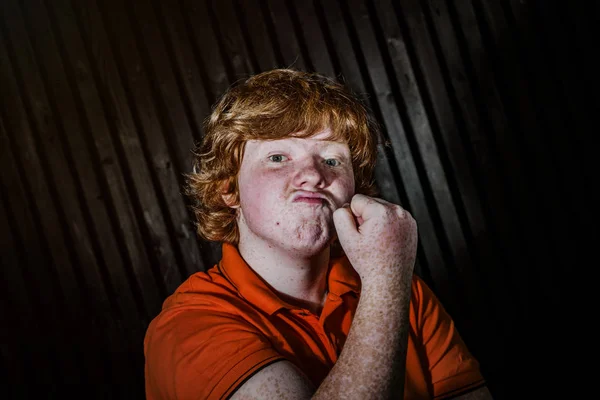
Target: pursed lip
[309,197]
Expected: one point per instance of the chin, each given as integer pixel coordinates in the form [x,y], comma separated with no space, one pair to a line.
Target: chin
[307,247]
[307,252]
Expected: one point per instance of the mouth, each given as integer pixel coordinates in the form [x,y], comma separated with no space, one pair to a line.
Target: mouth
[310,198]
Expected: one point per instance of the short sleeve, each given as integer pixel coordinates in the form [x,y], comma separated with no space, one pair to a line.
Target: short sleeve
[199,354]
[452,367]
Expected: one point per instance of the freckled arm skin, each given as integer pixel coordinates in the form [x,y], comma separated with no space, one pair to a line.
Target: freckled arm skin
[372,364]
[382,249]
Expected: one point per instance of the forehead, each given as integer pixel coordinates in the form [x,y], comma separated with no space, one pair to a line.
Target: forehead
[320,140]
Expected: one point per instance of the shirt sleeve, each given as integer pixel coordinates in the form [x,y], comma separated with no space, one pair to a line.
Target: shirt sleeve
[453,368]
[199,354]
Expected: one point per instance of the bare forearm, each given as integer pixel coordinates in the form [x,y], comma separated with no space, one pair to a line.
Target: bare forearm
[372,363]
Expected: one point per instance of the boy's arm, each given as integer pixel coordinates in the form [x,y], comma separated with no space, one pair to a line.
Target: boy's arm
[370,366]
[382,249]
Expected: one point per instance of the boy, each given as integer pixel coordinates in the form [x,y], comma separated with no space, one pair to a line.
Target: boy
[314,296]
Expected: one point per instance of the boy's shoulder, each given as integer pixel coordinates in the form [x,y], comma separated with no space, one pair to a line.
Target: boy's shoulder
[208,289]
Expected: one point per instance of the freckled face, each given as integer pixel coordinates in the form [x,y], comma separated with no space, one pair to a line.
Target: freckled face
[289,189]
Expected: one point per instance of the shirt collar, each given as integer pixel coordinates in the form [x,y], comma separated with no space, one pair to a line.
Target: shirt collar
[341,279]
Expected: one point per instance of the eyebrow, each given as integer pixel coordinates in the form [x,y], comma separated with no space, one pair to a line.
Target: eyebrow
[275,143]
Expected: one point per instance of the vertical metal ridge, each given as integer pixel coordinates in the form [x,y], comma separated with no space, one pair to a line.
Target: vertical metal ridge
[71,279]
[93,296]
[203,37]
[191,72]
[194,82]
[465,181]
[534,242]
[97,119]
[461,213]
[360,78]
[189,256]
[147,70]
[311,37]
[523,127]
[210,62]
[455,149]
[128,250]
[397,156]
[538,154]
[289,45]
[569,108]
[212,20]
[32,240]
[250,49]
[126,168]
[84,314]
[493,247]
[500,204]
[89,320]
[199,62]
[271,32]
[167,168]
[559,175]
[485,159]
[96,165]
[399,93]
[354,73]
[529,48]
[177,70]
[260,47]
[113,159]
[20,304]
[298,34]
[327,37]
[424,137]
[231,39]
[34,133]
[180,138]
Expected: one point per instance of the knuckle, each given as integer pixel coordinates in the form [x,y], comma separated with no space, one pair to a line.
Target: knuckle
[389,212]
[413,223]
[401,212]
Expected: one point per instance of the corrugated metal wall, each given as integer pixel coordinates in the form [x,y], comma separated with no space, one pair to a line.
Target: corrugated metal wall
[486,105]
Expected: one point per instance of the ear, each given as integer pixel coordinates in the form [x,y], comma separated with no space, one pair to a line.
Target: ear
[227,196]
[229,200]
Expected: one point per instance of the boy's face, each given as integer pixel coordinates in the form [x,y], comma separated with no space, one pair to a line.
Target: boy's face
[289,189]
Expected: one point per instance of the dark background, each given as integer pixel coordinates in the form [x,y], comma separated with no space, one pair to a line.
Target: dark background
[488,106]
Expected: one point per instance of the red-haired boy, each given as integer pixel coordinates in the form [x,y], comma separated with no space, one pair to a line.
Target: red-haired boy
[315,295]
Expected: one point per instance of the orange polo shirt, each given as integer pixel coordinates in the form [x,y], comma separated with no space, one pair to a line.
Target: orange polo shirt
[223,325]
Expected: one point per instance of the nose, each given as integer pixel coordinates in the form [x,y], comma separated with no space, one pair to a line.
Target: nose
[310,174]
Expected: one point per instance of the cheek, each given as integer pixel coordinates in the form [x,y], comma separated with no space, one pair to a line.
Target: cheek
[260,189]
[346,187]
[350,185]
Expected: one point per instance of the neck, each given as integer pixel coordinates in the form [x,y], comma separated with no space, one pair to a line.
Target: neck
[299,279]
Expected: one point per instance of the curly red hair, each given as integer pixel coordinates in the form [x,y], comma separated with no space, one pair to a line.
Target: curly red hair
[267,106]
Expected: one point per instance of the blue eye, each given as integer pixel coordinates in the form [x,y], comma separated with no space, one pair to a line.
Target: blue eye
[277,158]
[332,162]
